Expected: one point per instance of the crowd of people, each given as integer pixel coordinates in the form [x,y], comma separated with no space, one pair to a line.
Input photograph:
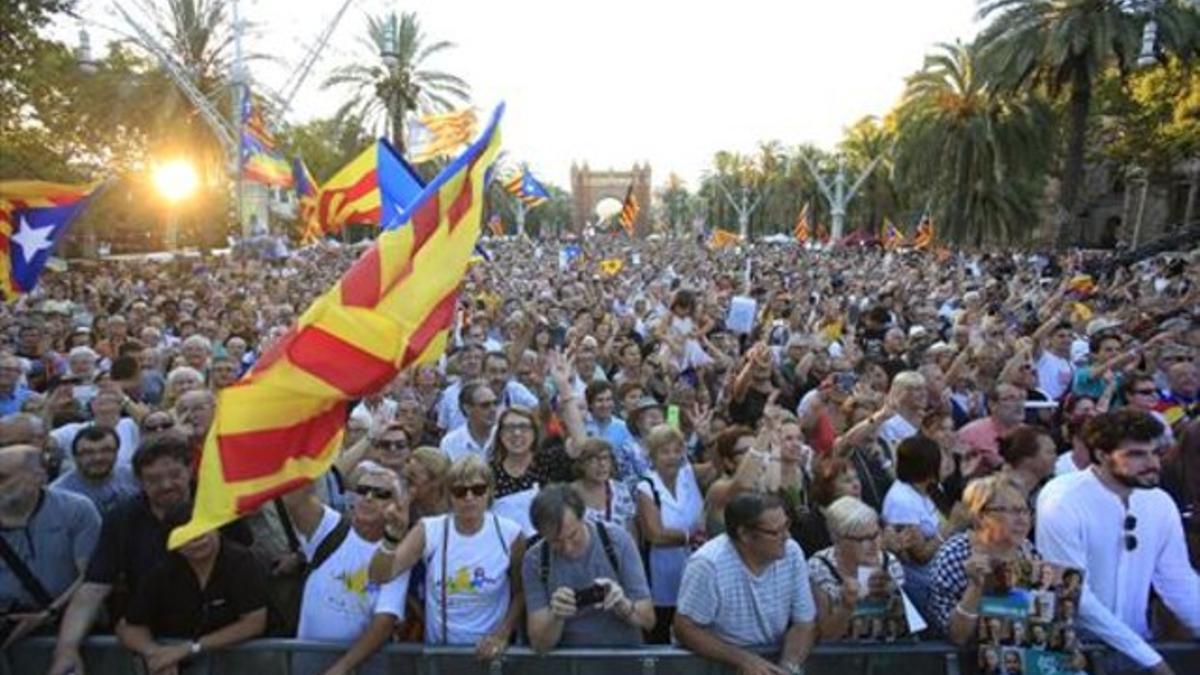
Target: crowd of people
[726,450]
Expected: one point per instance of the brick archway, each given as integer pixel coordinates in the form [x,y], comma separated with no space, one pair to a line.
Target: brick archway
[588,187]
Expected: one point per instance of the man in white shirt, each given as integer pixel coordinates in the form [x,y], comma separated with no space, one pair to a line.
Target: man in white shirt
[340,603]
[497,372]
[478,404]
[469,360]
[1054,370]
[1113,522]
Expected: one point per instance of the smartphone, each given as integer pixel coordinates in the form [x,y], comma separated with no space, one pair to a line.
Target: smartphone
[673,416]
[590,595]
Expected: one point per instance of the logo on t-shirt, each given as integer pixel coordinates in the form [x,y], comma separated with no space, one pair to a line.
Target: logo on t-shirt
[470,582]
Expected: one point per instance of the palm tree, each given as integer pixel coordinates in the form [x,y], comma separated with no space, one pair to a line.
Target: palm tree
[977,159]
[1064,45]
[864,141]
[393,82]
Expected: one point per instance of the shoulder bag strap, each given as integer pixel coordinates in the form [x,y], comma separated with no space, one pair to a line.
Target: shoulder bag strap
[26,576]
[445,579]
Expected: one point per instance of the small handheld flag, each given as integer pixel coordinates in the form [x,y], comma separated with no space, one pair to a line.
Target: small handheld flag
[892,239]
[923,238]
[34,216]
[433,136]
[801,231]
[526,188]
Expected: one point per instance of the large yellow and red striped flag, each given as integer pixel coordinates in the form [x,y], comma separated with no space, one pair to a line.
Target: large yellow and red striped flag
[351,196]
[281,425]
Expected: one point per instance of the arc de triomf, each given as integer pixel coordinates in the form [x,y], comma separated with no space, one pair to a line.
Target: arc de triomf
[588,187]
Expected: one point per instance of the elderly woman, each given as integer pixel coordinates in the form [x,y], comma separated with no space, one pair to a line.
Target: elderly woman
[181,380]
[670,509]
[605,499]
[472,560]
[1000,522]
[833,572]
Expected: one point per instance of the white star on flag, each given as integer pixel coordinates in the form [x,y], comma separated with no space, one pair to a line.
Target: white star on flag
[33,240]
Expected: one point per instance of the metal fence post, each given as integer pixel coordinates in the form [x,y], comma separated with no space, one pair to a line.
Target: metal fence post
[953,667]
[650,665]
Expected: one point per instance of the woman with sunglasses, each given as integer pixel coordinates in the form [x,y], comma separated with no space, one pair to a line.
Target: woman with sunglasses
[606,500]
[520,469]
[834,571]
[472,558]
[1000,522]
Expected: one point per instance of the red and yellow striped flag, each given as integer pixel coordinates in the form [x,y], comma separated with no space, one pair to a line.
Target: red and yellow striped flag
[923,239]
[801,230]
[281,425]
[629,212]
[351,196]
[721,238]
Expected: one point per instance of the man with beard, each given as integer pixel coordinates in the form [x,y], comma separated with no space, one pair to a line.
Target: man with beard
[1114,522]
[46,537]
[96,474]
[133,540]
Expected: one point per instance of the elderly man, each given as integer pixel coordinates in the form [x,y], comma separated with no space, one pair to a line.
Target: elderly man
[748,588]
[982,437]
[46,537]
[12,392]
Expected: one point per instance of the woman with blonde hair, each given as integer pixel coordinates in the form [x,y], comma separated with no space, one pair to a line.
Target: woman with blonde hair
[998,538]
[472,558]
[670,510]
[833,572]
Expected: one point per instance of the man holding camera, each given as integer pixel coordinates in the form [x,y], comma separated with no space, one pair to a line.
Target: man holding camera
[584,583]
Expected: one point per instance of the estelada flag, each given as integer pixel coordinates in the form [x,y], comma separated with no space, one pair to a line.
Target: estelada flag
[353,195]
[34,216]
[280,426]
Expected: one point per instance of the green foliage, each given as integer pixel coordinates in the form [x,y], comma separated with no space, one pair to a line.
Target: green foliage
[383,95]
[326,144]
[1152,118]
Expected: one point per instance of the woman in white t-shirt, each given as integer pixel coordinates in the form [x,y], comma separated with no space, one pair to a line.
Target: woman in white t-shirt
[671,517]
[470,595]
[910,513]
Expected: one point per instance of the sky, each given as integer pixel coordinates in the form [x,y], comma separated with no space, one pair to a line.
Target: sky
[622,81]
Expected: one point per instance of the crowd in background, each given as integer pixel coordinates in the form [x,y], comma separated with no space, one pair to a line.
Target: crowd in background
[694,446]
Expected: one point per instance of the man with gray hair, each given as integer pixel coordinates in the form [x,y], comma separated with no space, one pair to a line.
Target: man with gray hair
[46,538]
[12,392]
[584,582]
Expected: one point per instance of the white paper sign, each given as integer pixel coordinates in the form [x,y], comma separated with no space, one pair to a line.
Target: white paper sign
[742,309]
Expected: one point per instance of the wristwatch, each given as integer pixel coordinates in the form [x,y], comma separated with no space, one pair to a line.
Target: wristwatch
[194,648]
[793,668]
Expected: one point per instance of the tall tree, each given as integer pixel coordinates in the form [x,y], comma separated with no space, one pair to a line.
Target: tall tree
[393,79]
[865,141]
[977,158]
[1063,46]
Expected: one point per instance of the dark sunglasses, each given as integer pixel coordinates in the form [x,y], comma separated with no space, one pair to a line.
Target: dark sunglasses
[1146,392]
[372,491]
[151,428]
[393,446]
[460,491]
[1130,537]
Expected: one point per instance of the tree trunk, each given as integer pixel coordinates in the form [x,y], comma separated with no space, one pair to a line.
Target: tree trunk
[398,129]
[1189,206]
[1072,183]
[962,187]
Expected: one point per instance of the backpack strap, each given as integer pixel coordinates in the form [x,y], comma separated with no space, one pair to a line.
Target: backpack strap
[330,543]
[285,523]
[832,569]
[544,565]
[653,491]
[609,552]
[500,534]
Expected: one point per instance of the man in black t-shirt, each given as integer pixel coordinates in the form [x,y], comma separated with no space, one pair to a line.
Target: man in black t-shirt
[211,593]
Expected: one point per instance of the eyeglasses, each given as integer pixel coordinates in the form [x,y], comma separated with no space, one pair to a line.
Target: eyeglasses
[1130,537]
[512,428]
[372,491]
[460,491]
[392,446]
[1146,392]
[779,533]
[862,538]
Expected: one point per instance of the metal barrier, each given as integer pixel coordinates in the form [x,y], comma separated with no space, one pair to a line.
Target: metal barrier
[105,656]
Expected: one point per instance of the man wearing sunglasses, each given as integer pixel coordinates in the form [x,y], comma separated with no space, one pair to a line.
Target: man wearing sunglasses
[339,603]
[1113,522]
[748,588]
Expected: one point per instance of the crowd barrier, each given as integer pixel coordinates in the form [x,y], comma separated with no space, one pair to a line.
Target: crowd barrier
[105,656]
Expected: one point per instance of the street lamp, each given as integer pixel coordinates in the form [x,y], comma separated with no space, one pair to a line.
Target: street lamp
[83,53]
